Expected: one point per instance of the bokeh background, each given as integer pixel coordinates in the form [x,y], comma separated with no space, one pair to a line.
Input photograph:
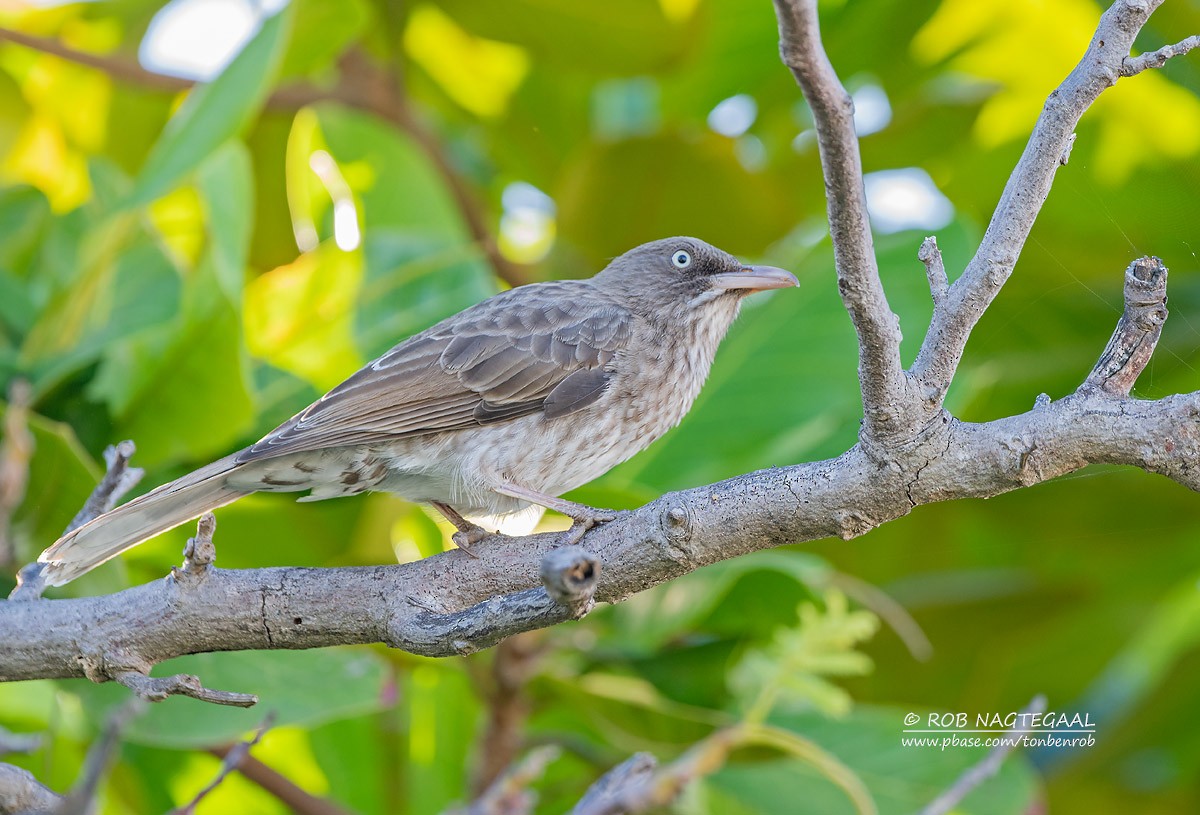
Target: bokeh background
[189,269]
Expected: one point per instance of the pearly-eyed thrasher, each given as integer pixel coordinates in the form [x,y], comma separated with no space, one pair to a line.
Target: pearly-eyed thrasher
[491,413]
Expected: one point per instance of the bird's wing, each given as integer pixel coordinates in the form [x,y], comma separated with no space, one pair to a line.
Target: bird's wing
[515,354]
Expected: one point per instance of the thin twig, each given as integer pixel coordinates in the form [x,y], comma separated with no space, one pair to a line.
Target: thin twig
[18,742]
[989,766]
[156,689]
[509,794]
[935,270]
[642,791]
[99,756]
[1157,59]
[570,575]
[119,478]
[630,772]
[230,761]
[200,552]
[282,788]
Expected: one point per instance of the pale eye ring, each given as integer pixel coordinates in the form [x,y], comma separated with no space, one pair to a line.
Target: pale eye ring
[681,259]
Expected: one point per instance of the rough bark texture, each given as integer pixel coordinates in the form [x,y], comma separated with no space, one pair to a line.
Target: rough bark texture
[911,452]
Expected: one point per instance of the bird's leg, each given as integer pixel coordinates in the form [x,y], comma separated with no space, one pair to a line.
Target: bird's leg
[583,516]
[468,534]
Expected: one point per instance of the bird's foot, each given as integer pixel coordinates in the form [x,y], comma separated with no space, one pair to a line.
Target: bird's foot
[582,522]
[468,534]
[583,516]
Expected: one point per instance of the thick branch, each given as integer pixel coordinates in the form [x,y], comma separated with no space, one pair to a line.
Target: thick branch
[883,383]
[1106,59]
[104,637]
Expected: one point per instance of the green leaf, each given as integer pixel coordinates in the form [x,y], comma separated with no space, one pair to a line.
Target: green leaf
[213,113]
[180,391]
[321,31]
[393,181]
[792,670]
[24,215]
[61,477]
[226,182]
[411,282]
[299,317]
[901,779]
[624,37]
[647,622]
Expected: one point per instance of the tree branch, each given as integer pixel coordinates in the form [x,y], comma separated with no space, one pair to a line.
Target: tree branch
[21,792]
[233,757]
[1132,66]
[631,772]
[885,391]
[1105,60]
[119,478]
[16,450]
[299,801]
[1132,343]
[18,742]
[509,793]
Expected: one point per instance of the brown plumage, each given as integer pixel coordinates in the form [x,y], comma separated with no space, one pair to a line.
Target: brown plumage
[491,413]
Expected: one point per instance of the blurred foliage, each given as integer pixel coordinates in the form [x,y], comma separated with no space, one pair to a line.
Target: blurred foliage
[189,269]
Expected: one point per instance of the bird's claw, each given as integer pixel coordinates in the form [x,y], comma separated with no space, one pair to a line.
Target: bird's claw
[466,538]
[582,524]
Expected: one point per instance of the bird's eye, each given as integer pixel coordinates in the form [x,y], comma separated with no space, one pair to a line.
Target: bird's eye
[681,259]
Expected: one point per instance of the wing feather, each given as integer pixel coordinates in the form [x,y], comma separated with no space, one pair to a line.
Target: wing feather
[549,347]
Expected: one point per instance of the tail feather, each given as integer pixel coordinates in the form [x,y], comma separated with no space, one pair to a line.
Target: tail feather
[178,502]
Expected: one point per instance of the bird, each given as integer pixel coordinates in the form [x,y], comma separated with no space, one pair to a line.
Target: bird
[489,415]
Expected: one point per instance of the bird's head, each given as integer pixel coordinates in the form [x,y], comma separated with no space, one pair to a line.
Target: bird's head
[689,272]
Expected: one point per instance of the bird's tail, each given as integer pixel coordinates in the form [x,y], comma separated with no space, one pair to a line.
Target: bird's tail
[83,549]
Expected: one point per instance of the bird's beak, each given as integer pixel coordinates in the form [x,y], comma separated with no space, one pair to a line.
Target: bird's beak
[755,278]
